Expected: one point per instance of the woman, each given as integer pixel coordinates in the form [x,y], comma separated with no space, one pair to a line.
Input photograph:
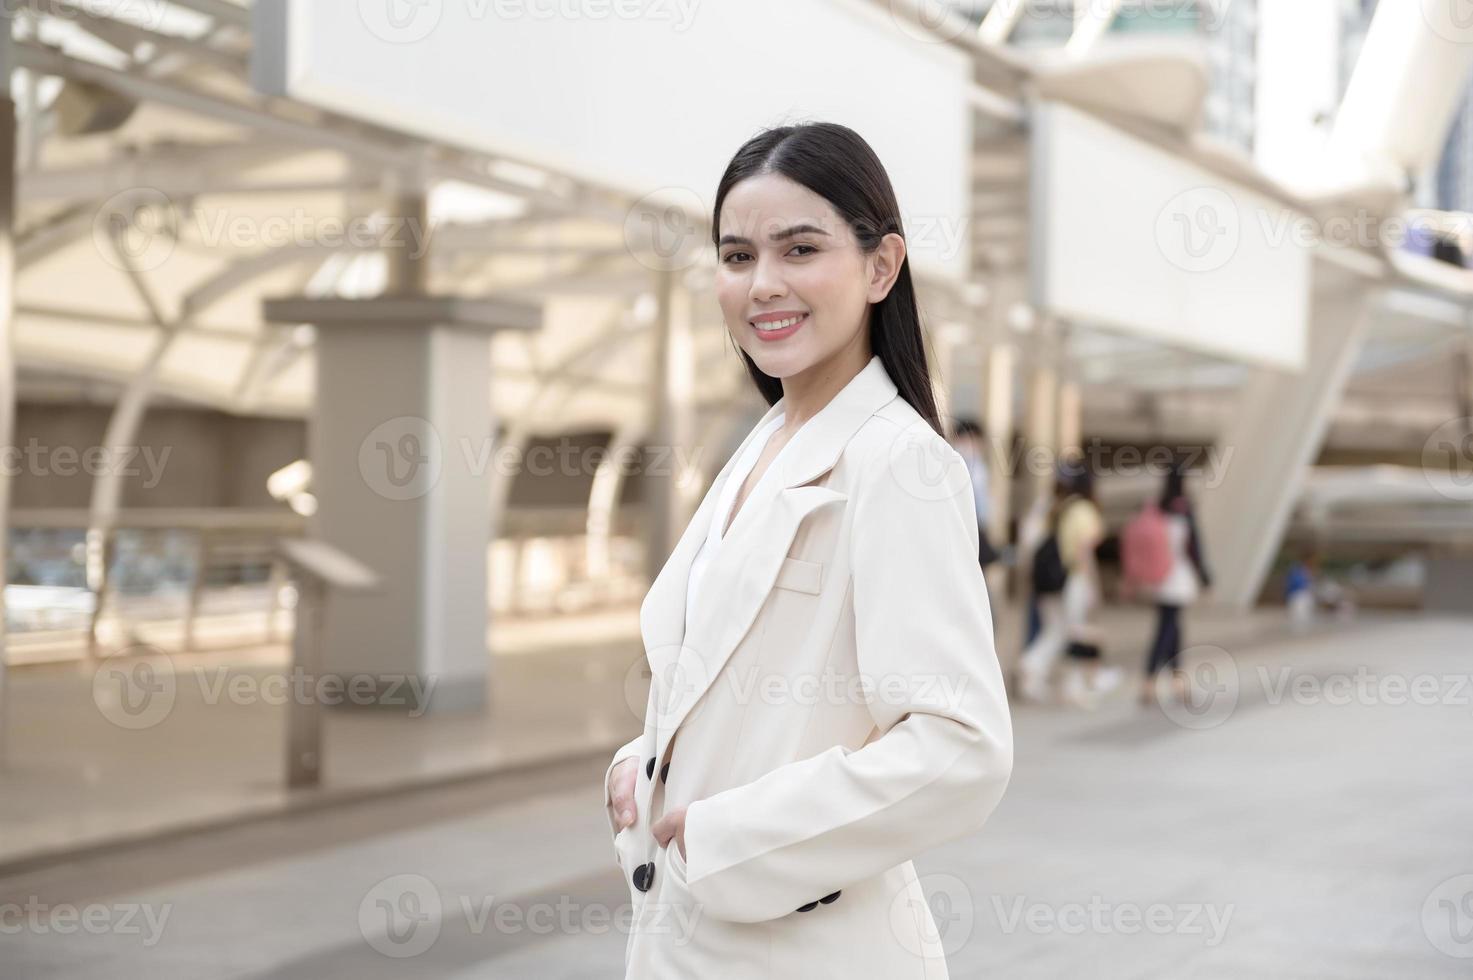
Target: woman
[1078,528]
[1180,587]
[825,698]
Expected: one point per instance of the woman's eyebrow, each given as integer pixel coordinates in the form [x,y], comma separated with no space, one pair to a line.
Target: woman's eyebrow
[775,236]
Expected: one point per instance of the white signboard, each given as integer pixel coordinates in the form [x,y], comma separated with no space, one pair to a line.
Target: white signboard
[645,95]
[1128,237]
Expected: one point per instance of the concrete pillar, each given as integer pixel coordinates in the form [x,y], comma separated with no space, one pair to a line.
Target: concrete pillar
[1070,416]
[1275,436]
[1040,430]
[672,482]
[400,444]
[997,419]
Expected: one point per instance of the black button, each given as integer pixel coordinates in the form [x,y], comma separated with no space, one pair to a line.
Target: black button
[644,876]
[808,908]
[664,772]
[649,768]
[829,897]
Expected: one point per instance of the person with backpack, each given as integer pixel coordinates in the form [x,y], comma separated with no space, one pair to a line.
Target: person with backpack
[1066,581]
[1162,557]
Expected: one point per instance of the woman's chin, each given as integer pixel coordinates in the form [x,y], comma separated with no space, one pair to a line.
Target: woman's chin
[780,364]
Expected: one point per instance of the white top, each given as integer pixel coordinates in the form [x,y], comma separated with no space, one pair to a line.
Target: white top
[714,536]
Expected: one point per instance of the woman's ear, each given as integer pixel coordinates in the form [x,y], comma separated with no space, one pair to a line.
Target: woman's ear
[885,263]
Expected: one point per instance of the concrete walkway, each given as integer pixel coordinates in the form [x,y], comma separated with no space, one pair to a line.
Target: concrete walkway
[85,773]
[1308,818]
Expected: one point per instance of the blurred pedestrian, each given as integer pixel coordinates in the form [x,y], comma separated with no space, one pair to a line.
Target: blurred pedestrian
[970,440]
[1162,554]
[1066,578]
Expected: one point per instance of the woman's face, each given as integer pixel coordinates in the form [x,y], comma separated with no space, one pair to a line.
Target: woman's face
[793,284]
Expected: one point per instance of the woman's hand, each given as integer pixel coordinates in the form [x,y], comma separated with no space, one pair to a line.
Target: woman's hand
[621,791]
[671,827]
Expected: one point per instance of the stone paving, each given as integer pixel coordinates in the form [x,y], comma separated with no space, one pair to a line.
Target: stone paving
[1307,817]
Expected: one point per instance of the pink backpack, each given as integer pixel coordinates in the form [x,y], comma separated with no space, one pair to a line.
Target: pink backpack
[1145,547]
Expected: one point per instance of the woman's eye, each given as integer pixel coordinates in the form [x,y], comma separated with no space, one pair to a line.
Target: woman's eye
[734,256]
[810,249]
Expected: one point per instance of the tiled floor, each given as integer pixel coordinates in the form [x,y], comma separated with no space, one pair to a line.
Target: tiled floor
[82,773]
[1309,819]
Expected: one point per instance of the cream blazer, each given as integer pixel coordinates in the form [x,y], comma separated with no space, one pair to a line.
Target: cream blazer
[835,708]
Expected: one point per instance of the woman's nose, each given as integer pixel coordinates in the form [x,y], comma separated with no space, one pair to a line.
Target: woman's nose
[767,281]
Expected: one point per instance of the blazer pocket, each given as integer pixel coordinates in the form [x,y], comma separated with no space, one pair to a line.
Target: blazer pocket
[800,575]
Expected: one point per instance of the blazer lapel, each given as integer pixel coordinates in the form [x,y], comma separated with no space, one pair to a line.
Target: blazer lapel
[685,662]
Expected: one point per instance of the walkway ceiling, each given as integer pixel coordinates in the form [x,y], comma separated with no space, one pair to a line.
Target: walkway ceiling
[205,198]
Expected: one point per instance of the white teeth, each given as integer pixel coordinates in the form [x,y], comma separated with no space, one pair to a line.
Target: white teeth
[779,324]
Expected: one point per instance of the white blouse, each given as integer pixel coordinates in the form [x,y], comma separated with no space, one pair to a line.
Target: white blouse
[739,474]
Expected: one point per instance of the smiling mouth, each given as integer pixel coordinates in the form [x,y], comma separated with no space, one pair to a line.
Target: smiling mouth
[780,324]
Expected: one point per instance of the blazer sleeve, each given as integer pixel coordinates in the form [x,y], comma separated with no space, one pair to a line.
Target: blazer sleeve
[944,752]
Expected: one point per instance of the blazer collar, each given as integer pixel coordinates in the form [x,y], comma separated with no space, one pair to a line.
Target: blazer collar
[684,662]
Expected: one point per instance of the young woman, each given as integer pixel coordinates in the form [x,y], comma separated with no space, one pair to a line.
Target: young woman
[1078,528]
[1180,589]
[826,700]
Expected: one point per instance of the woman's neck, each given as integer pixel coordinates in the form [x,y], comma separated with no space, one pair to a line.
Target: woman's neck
[807,392]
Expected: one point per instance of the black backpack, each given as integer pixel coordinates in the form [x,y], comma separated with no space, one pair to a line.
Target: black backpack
[1049,572]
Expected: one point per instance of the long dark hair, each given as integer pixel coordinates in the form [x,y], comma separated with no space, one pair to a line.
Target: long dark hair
[837,164]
